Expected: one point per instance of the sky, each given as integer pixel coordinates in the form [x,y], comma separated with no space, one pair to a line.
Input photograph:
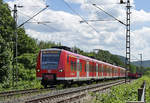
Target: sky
[63,24]
[143,4]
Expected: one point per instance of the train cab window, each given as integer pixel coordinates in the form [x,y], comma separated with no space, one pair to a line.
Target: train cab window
[50,59]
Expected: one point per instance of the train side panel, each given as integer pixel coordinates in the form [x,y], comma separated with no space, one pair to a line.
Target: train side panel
[74,67]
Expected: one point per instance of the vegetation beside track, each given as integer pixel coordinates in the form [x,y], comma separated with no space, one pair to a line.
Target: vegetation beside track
[124,92]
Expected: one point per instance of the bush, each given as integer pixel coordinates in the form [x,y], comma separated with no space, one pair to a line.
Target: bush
[124,92]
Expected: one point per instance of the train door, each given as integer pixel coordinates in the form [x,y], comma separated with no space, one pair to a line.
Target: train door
[96,70]
[78,68]
[87,69]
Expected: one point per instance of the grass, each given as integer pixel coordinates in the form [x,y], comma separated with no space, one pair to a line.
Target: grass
[21,85]
[123,93]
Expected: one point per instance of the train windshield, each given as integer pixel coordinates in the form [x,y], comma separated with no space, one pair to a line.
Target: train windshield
[50,59]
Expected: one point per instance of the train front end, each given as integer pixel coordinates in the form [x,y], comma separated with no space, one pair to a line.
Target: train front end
[49,66]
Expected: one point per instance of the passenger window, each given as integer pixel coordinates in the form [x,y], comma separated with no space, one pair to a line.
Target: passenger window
[75,65]
[85,67]
[90,67]
[72,65]
[99,68]
[67,59]
[80,66]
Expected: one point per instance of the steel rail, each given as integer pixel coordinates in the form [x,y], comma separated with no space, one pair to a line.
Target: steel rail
[73,93]
[21,92]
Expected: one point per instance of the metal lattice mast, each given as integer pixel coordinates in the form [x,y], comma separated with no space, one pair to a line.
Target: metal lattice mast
[127,62]
[15,45]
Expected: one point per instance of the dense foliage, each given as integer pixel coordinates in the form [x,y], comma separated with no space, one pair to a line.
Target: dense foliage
[103,55]
[125,92]
[6,35]
[27,52]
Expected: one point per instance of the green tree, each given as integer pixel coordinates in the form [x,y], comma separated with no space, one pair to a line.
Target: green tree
[28,60]
[6,37]
[26,44]
[116,60]
[132,68]
[46,45]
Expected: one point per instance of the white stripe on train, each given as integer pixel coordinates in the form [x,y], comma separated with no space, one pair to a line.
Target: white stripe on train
[81,78]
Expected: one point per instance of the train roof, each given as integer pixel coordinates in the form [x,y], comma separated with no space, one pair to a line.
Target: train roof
[81,56]
[89,59]
[52,49]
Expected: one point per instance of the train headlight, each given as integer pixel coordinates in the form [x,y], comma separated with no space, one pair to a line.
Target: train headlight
[60,70]
[38,70]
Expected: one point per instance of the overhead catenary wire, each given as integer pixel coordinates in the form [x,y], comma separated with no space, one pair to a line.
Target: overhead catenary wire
[27,21]
[44,22]
[41,22]
[116,3]
[135,57]
[33,16]
[79,16]
[100,8]
[96,20]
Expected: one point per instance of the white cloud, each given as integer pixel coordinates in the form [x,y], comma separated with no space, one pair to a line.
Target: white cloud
[140,16]
[76,1]
[66,28]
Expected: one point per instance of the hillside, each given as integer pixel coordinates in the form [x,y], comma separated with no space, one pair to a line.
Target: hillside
[144,63]
[122,58]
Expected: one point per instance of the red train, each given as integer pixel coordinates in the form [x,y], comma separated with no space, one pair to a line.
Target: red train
[56,66]
[134,75]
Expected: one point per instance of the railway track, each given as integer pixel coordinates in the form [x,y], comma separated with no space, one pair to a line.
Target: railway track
[52,95]
[71,94]
[14,94]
